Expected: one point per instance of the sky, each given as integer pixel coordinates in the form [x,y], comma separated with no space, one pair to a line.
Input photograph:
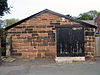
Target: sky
[25,8]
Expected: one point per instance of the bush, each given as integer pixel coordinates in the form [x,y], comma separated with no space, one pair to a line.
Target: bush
[5,57]
[3,52]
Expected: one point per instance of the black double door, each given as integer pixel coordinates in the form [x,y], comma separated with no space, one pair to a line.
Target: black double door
[70,41]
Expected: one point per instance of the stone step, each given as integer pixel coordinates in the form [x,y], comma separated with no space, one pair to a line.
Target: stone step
[69,59]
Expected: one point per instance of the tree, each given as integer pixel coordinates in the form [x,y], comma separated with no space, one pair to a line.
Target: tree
[93,13]
[90,15]
[85,16]
[2,23]
[3,41]
[11,21]
[4,7]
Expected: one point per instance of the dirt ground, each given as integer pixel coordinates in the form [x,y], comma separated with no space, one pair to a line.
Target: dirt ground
[45,67]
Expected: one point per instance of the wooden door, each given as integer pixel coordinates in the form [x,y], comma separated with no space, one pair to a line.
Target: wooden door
[70,41]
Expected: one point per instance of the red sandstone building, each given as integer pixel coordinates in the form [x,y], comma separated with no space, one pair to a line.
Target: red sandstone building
[97,23]
[51,35]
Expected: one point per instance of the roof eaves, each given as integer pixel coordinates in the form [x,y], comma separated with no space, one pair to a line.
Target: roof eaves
[87,24]
[81,22]
[23,20]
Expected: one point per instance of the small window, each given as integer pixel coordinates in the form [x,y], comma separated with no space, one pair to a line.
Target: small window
[63,19]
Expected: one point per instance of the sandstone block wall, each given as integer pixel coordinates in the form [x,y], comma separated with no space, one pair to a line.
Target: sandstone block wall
[36,37]
[89,43]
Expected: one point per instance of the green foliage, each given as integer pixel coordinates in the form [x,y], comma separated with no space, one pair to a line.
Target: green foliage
[85,16]
[3,37]
[3,52]
[11,21]
[93,13]
[90,15]
[4,7]
[5,57]
[3,42]
[97,33]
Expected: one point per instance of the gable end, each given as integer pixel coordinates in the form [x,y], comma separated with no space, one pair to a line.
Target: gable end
[52,12]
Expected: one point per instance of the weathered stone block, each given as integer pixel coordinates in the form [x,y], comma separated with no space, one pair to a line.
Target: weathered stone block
[16,54]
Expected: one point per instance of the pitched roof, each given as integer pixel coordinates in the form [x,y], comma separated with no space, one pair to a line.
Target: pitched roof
[88,21]
[52,12]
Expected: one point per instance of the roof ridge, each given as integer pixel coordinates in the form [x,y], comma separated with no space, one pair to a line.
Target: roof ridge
[50,11]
